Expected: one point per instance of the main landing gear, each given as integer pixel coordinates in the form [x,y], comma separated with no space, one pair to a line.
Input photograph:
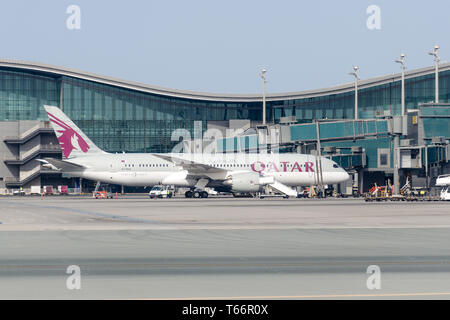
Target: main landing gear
[196,194]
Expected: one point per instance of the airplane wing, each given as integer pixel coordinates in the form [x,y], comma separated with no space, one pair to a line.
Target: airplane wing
[192,166]
[62,164]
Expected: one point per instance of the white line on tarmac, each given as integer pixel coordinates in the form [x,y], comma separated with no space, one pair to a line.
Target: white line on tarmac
[324,296]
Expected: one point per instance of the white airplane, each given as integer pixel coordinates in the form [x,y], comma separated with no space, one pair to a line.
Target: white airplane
[235,173]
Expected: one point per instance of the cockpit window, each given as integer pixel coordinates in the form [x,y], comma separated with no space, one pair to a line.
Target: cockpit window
[335,166]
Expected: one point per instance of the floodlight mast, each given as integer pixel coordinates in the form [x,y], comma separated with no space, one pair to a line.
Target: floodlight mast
[263,77]
[436,71]
[355,74]
[397,136]
[402,62]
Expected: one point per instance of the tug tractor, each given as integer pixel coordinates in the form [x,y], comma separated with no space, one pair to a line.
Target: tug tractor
[102,195]
[105,193]
[379,193]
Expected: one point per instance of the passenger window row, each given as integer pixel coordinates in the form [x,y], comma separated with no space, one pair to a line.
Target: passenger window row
[230,165]
[147,165]
[214,165]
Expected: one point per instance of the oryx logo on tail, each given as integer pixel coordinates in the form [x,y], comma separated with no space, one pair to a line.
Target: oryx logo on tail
[68,138]
[73,142]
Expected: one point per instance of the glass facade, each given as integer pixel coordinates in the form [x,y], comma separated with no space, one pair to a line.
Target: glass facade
[22,95]
[124,120]
[119,119]
[377,98]
[436,121]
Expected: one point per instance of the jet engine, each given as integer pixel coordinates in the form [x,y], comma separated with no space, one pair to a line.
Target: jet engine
[49,166]
[246,182]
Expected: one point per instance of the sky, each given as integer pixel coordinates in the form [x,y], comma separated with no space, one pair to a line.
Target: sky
[221,46]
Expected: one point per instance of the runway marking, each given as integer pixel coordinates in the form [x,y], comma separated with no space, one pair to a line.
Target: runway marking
[323,296]
[170,226]
[231,264]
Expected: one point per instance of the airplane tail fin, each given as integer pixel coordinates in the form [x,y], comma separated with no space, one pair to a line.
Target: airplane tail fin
[72,140]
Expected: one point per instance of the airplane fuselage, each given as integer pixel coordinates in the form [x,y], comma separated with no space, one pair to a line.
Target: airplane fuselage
[233,172]
[149,170]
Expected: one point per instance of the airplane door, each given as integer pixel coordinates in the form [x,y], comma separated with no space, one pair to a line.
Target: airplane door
[114,165]
[312,174]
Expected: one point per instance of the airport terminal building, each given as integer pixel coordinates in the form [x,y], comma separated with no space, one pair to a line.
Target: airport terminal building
[124,116]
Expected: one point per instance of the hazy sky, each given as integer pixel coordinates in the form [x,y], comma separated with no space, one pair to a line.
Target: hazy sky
[221,46]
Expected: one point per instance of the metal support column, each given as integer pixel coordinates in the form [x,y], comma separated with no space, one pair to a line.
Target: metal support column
[319,154]
[396,164]
[426,168]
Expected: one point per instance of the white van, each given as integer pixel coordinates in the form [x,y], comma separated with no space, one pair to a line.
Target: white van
[161,191]
[445,193]
[443,180]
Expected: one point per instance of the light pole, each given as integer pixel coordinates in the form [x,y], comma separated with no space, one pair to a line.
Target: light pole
[397,136]
[402,62]
[355,74]
[263,77]
[436,71]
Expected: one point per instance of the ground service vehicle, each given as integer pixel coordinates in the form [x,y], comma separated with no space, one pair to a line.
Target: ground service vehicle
[48,190]
[444,181]
[63,190]
[102,195]
[445,194]
[161,191]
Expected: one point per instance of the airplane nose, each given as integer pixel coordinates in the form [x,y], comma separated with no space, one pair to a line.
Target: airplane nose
[345,175]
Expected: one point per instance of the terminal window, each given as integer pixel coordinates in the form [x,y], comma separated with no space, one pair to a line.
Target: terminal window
[384,158]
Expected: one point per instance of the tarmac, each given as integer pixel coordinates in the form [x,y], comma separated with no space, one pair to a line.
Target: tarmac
[134,247]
